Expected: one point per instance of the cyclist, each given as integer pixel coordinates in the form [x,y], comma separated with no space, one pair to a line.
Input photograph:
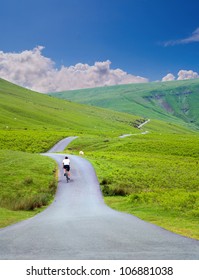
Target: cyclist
[66,166]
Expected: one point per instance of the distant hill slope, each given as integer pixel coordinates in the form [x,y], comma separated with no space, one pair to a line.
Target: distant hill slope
[23,109]
[174,101]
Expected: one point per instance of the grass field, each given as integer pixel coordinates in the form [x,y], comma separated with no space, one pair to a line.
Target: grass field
[175,101]
[171,220]
[30,123]
[154,176]
[27,181]
[22,109]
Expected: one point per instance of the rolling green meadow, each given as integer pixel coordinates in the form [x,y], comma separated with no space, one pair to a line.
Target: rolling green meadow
[175,101]
[31,123]
[153,173]
[152,176]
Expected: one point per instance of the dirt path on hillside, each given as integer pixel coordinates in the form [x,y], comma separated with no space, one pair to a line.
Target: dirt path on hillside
[78,225]
[140,126]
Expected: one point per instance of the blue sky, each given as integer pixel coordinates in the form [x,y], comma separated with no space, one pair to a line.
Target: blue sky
[147,38]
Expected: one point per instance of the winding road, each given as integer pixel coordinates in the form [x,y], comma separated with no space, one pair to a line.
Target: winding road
[79,226]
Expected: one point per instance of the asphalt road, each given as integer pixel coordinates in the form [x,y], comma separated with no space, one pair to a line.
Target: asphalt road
[78,225]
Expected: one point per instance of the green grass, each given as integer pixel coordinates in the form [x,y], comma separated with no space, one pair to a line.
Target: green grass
[152,173]
[27,181]
[31,122]
[175,101]
[154,176]
[170,220]
[30,141]
[22,109]
[28,184]
[8,217]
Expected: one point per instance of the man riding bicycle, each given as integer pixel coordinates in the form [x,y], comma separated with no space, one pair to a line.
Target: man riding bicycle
[66,167]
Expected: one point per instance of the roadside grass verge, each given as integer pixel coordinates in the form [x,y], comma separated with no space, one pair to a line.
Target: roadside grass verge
[8,217]
[172,220]
[27,182]
[155,177]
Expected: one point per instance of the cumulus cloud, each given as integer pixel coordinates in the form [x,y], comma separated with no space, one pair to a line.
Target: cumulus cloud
[190,39]
[33,70]
[186,75]
[168,77]
[182,75]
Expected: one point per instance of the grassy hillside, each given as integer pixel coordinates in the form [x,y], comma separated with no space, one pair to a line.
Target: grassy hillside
[31,122]
[22,109]
[175,101]
[153,175]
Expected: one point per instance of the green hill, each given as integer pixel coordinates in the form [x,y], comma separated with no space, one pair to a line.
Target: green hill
[27,110]
[31,122]
[41,120]
[175,101]
[153,175]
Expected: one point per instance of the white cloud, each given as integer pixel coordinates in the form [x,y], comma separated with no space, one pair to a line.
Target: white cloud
[193,38]
[182,75]
[32,70]
[187,74]
[168,77]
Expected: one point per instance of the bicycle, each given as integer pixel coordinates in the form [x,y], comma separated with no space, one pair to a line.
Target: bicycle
[67,176]
[66,167]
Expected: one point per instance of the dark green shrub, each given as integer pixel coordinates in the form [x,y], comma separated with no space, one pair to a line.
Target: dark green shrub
[28,181]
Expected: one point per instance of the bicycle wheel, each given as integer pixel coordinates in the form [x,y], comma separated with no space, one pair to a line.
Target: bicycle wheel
[67,178]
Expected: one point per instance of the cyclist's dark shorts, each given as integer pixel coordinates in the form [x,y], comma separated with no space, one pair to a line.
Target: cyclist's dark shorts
[67,167]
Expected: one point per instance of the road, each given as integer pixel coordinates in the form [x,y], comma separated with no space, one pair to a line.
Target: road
[140,126]
[79,226]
